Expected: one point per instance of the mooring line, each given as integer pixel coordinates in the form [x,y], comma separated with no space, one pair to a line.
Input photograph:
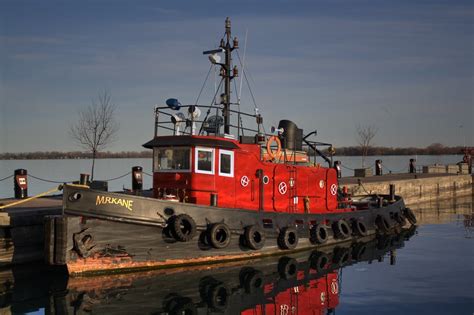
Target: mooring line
[50,181]
[5,178]
[60,187]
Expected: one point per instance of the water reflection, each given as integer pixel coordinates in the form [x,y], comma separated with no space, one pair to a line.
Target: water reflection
[443,211]
[301,283]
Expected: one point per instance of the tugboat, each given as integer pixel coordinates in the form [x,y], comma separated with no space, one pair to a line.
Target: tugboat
[307,282]
[221,192]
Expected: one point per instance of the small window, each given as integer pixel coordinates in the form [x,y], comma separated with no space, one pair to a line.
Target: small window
[226,163]
[172,159]
[204,160]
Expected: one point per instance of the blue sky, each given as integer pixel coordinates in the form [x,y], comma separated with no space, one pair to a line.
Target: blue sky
[406,67]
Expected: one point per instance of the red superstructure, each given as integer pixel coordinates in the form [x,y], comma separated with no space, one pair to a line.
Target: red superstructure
[313,298]
[240,176]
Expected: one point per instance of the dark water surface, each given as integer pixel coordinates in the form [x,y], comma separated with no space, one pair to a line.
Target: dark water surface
[427,270]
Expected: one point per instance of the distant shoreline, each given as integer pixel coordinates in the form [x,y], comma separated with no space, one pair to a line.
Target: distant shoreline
[434,149]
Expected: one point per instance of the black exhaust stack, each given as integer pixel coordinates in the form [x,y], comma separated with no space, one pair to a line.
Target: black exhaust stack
[292,136]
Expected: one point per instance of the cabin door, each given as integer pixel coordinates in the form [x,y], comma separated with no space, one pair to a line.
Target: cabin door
[284,188]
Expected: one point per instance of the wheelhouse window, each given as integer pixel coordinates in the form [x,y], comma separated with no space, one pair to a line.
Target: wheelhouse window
[204,158]
[172,159]
[226,163]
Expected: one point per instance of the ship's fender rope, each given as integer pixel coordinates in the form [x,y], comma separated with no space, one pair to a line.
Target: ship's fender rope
[60,187]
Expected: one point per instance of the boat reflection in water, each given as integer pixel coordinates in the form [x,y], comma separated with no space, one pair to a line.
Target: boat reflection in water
[302,283]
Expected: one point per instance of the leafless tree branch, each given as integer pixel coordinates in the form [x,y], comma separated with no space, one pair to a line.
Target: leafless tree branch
[365,135]
[96,127]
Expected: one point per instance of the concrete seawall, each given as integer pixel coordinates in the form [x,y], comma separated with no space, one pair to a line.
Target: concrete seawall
[414,188]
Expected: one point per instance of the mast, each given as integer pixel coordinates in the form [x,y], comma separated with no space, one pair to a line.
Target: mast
[227,45]
[227,77]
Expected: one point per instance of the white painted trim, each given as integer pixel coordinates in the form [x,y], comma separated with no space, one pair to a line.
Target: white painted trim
[231,153]
[196,152]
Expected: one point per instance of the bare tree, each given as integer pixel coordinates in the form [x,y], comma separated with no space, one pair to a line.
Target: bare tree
[365,134]
[96,127]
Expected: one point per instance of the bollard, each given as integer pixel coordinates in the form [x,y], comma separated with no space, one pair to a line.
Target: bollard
[20,183]
[213,200]
[380,202]
[378,167]
[337,167]
[392,192]
[84,179]
[393,257]
[137,179]
[412,166]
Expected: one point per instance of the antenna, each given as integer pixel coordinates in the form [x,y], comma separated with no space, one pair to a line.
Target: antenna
[243,68]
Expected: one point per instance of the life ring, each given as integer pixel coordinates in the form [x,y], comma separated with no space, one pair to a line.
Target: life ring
[182,227]
[219,235]
[410,216]
[254,237]
[318,234]
[270,152]
[287,268]
[382,224]
[342,229]
[360,228]
[288,238]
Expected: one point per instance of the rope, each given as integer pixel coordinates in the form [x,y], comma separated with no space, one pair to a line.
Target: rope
[49,181]
[5,178]
[60,187]
[147,174]
[203,85]
[121,176]
[352,169]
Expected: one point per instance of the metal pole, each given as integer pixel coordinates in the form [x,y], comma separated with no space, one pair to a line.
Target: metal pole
[227,64]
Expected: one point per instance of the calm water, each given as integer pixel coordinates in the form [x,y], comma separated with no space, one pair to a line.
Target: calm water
[69,170]
[426,271]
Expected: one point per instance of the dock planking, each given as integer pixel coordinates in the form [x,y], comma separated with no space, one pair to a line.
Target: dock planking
[22,229]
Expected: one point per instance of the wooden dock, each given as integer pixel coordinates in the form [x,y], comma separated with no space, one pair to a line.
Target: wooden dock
[22,231]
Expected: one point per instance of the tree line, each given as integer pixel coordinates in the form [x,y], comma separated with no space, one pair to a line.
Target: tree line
[433,149]
[55,155]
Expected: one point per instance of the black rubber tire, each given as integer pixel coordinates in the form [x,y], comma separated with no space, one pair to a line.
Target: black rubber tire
[182,227]
[254,237]
[185,308]
[341,256]
[253,281]
[218,297]
[319,234]
[410,216]
[382,224]
[359,228]
[287,268]
[342,229]
[358,251]
[288,238]
[219,235]
[400,218]
[318,261]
